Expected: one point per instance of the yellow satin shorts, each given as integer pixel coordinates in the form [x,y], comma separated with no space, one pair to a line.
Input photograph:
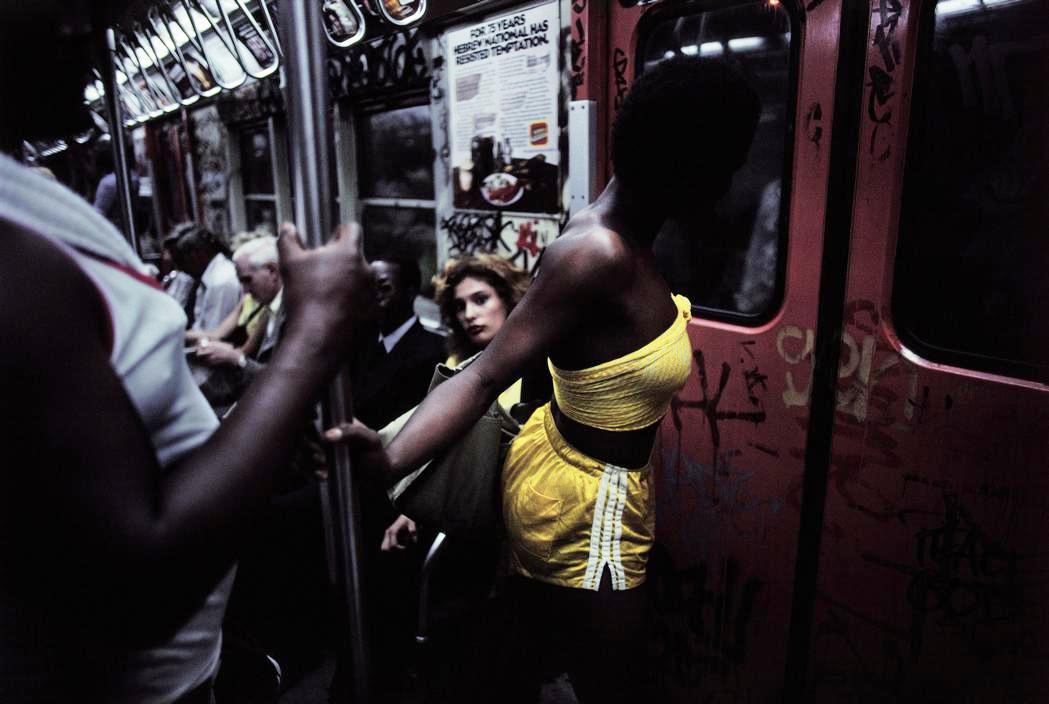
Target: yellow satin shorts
[569,517]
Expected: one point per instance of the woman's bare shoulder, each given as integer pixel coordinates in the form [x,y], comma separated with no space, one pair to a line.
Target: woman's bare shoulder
[589,254]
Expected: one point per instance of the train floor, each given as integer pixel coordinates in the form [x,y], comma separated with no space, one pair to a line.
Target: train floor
[313,688]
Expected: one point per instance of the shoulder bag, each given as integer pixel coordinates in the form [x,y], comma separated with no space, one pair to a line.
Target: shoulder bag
[459,491]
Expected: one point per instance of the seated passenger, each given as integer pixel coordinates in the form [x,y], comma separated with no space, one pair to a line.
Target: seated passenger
[258,271]
[245,326]
[216,291]
[175,282]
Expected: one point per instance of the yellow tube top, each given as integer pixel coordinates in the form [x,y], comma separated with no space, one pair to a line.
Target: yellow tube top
[632,391]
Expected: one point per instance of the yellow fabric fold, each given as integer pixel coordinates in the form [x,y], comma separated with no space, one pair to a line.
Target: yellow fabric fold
[632,391]
[571,519]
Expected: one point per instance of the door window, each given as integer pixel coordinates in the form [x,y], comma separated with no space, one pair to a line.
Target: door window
[972,258]
[734,269]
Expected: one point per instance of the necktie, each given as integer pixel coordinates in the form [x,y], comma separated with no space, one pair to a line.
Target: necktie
[191,304]
[379,353]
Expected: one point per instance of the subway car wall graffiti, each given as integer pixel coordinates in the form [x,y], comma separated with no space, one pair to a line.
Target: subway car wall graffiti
[852,488]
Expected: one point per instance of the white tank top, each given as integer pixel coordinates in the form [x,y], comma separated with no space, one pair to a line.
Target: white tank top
[148,329]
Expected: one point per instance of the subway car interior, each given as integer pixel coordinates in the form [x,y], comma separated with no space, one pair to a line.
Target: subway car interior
[851,487]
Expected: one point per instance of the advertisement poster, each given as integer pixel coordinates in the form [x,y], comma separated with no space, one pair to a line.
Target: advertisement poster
[503,79]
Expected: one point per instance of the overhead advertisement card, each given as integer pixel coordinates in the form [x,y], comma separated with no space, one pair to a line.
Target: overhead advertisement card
[504,80]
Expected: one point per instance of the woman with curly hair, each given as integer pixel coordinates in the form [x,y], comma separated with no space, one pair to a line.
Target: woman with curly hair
[475,295]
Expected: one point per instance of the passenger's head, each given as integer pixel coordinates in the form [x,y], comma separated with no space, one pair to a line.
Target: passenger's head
[684,128]
[397,282]
[194,246]
[475,295]
[258,268]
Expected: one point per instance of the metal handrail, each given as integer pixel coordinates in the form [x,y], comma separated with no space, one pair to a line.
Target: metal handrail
[164,103]
[310,125]
[119,145]
[198,43]
[163,17]
[145,42]
[153,35]
[273,28]
[229,39]
[135,117]
[145,97]
[422,628]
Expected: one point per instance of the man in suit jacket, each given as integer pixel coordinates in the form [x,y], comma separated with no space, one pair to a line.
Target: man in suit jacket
[390,374]
[392,369]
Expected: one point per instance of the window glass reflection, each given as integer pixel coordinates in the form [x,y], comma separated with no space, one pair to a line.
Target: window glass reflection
[971,260]
[403,230]
[733,267]
[396,153]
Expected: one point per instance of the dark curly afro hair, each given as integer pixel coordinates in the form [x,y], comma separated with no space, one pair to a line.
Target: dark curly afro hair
[684,128]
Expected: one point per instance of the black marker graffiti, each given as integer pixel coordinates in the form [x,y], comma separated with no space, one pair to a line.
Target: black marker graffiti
[964,579]
[436,90]
[761,448]
[395,62]
[578,54]
[919,408]
[813,126]
[709,403]
[881,77]
[620,62]
[470,232]
[473,232]
[437,103]
[699,621]
[255,101]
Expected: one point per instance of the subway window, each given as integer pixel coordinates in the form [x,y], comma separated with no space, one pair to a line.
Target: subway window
[733,269]
[972,256]
[395,158]
[256,165]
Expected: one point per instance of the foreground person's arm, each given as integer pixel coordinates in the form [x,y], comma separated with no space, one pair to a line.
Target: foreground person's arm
[92,508]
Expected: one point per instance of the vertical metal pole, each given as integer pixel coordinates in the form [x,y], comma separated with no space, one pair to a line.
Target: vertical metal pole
[117,138]
[311,142]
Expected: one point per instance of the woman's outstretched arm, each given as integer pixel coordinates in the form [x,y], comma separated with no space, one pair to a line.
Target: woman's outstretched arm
[576,273]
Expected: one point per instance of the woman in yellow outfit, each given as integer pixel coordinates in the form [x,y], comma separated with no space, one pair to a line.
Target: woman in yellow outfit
[578,500]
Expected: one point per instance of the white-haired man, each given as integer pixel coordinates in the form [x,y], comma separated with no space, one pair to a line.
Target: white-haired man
[259,273]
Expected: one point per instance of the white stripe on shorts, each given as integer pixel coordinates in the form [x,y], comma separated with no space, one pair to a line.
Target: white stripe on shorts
[606,531]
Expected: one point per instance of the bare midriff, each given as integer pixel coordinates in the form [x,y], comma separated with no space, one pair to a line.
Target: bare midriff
[631,449]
